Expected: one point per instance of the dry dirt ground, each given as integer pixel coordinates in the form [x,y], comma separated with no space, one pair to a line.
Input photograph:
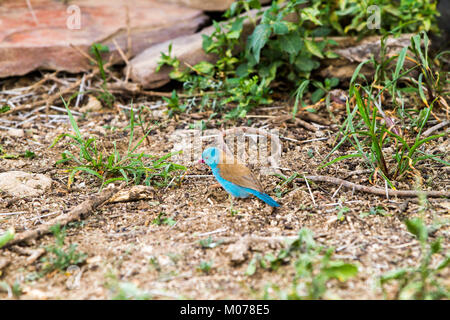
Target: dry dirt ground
[123,244]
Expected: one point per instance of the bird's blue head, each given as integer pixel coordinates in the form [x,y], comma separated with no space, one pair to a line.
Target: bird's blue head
[211,156]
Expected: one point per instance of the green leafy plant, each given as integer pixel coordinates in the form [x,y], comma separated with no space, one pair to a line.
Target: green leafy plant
[287,43]
[341,213]
[125,290]
[5,108]
[5,155]
[378,210]
[162,219]
[14,290]
[105,95]
[284,186]
[432,76]
[129,291]
[421,281]
[173,104]
[370,129]
[246,93]
[313,266]
[59,258]
[205,266]
[209,243]
[404,16]
[323,88]
[131,166]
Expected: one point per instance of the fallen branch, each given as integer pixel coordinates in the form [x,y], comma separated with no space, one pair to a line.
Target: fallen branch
[443,124]
[82,210]
[375,190]
[309,116]
[305,124]
[298,122]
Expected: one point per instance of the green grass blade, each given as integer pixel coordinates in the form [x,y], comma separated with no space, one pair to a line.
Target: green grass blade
[353,155]
[73,123]
[84,169]
[299,96]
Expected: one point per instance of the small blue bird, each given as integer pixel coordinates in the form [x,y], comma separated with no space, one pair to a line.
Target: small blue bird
[234,177]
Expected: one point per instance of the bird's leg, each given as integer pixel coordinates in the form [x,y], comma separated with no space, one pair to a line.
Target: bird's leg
[232,211]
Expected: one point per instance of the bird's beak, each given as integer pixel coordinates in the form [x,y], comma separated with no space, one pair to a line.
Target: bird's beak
[201,161]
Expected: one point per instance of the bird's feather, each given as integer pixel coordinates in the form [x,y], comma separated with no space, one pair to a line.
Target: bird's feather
[238,173]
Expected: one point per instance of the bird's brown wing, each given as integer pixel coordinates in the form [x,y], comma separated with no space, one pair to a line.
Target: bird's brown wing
[238,174]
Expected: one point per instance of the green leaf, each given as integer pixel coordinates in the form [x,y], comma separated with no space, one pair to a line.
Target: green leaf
[73,123]
[311,46]
[356,73]
[254,4]
[364,214]
[100,47]
[340,270]
[251,269]
[444,264]
[340,214]
[243,70]
[299,96]
[416,41]
[331,83]
[436,246]
[305,64]
[311,15]
[87,170]
[269,72]
[204,67]
[391,275]
[417,228]
[4,108]
[29,154]
[291,43]
[353,155]
[421,91]
[207,43]
[232,10]
[6,237]
[236,29]
[331,55]
[392,10]
[317,95]
[280,28]
[258,39]
[400,62]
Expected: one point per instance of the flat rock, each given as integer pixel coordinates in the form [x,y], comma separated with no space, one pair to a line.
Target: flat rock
[40,38]
[187,49]
[209,5]
[23,184]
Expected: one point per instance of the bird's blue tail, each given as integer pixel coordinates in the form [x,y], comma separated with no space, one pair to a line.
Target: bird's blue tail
[264,197]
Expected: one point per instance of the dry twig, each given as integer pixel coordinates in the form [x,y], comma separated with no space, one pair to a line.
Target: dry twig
[443,124]
[377,191]
[82,210]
